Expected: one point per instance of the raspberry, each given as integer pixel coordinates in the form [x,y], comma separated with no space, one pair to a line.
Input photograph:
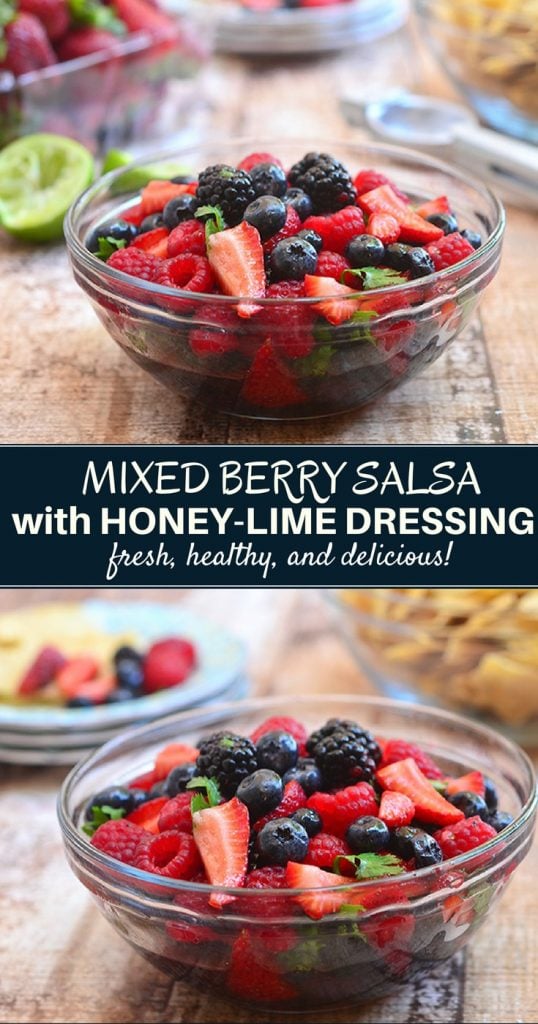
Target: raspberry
[291,227]
[338,810]
[217,335]
[400,750]
[253,980]
[176,814]
[294,797]
[324,848]
[449,250]
[248,162]
[120,839]
[290,325]
[290,725]
[367,180]
[134,262]
[338,229]
[172,854]
[169,661]
[187,237]
[331,264]
[266,878]
[188,272]
[465,835]
[384,227]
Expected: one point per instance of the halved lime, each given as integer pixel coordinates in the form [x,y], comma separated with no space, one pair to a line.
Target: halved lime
[40,176]
[136,178]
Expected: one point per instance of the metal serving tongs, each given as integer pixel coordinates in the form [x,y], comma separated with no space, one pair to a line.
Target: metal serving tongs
[450,131]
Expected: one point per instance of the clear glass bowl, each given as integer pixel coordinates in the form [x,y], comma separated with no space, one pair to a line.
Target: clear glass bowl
[347,365]
[288,961]
[107,100]
[474,651]
[490,51]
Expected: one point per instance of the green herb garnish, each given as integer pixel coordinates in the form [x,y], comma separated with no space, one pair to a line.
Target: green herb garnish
[372,865]
[107,245]
[210,798]
[375,277]
[102,814]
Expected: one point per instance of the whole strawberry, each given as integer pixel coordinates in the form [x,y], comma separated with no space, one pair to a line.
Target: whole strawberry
[53,15]
[28,46]
[80,42]
[167,663]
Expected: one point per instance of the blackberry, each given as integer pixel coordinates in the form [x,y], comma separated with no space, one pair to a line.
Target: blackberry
[325,180]
[344,753]
[228,758]
[230,189]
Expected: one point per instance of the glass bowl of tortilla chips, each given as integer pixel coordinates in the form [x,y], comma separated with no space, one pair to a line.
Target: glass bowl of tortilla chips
[472,650]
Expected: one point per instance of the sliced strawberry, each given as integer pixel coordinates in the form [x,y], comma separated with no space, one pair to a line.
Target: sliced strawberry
[252,980]
[172,756]
[144,16]
[457,909]
[144,781]
[433,206]
[147,815]
[268,383]
[222,836]
[315,903]
[398,750]
[473,782]
[74,673]
[155,242]
[134,215]
[368,179]
[406,777]
[96,690]
[156,194]
[413,228]
[46,664]
[236,257]
[385,227]
[293,798]
[396,810]
[336,306]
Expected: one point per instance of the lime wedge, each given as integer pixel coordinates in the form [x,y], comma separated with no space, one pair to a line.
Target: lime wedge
[136,178]
[40,176]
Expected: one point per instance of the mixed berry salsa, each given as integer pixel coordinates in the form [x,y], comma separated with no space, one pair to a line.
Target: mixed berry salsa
[315,231]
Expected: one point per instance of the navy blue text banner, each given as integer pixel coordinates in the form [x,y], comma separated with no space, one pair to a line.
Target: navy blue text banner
[270,515]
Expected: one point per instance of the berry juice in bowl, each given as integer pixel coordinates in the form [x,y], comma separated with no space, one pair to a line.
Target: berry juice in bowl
[300,854]
[283,281]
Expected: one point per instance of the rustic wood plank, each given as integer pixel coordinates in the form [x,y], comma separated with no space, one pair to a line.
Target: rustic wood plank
[62,962]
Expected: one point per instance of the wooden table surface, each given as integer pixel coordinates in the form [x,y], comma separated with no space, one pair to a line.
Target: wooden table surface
[62,962]
[64,380]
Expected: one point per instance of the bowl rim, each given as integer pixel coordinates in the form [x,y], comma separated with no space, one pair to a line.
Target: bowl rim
[252,144]
[135,875]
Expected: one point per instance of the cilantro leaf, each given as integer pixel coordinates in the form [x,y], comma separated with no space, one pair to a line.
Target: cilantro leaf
[108,245]
[372,865]
[214,220]
[481,899]
[102,814]
[316,363]
[375,277]
[201,801]
[439,785]
[98,15]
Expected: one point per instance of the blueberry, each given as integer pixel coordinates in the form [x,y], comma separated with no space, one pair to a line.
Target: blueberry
[80,702]
[301,202]
[397,256]
[130,675]
[139,797]
[261,792]
[154,220]
[365,251]
[118,797]
[472,237]
[267,214]
[277,750]
[312,237]
[183,179]
[309,819]
[292,258]
[306,773]
[368,835]
[158,789]
[178,209]
[121,230]
[268,180]
[419,262]
[119,695]
[178,777]
[470,803]
[446,221]
[282,840]
[127,653]
[499,820]
[408,842]
[490,794]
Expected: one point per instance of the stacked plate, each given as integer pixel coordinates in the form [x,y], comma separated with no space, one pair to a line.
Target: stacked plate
[304,30]
[42,735]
